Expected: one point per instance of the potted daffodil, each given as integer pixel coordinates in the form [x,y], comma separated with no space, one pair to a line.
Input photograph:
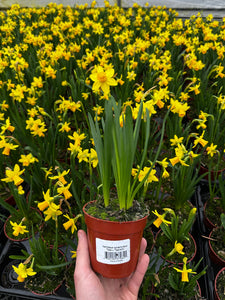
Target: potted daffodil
[175,235]
[116,220]
[179,282]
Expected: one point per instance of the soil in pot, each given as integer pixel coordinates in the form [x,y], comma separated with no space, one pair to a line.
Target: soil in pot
[212,212]
[216,243]
[44,284]
[113,212]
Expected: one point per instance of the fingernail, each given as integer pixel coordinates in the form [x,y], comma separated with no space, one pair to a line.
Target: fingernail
[80,234]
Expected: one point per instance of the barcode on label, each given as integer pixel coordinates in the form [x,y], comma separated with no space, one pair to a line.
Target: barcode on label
[115,255]
[112,252]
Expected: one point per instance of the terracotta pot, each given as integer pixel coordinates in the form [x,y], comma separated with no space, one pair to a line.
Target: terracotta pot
[189,258]
[114,246]
[216,291]
[216,259]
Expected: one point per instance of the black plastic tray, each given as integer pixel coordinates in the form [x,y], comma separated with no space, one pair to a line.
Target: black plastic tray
[201,234]
[10,288]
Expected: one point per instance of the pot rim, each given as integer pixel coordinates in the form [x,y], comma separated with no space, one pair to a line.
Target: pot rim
[212,249]
[111,222]
[215,282]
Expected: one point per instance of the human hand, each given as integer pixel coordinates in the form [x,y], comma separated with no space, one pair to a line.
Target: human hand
[89,285]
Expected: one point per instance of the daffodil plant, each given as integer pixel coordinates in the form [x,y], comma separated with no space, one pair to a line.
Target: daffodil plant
[184,175]
[116,149]
[22,215]
[40,270]
[189,276]
[182,279]
[174,230]
[13,177]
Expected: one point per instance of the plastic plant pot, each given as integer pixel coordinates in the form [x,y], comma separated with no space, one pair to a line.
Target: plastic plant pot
[114,246]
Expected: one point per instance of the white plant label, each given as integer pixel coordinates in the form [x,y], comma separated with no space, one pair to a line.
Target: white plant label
[112,252]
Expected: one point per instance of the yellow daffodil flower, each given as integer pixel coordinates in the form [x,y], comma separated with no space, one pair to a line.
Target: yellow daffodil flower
[18,228]
[176,140]
[77,138]
[47,172]
[83,155]
[64,189]
[180,152]
[22,271]
[60,177]
[103,79]
[71,223]
[7,126]
[178,247]
[47,201]
[179,108]
[160,219]
[65,127]
[211,150]
[14,175]
[28,159]
[36,127]
[93,158]
[7,147]
[200,140]
[185,271]
[20,190]
[52,212]
[151,176]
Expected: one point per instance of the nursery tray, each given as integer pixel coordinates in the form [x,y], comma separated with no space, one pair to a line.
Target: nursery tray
[200,234]
[10,288]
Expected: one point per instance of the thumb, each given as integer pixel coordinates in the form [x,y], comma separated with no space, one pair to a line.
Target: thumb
[82,259]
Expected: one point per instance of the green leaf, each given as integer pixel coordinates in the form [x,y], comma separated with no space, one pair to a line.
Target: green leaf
[7,206]
[53,267]
[172,280]
[103,146]
[222,217]
[19,257]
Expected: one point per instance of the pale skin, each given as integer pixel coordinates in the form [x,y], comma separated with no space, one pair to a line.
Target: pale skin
[90,286]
